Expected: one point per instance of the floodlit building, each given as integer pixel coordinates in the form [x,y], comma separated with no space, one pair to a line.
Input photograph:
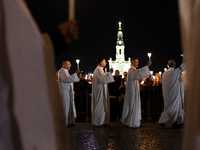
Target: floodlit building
[120,63]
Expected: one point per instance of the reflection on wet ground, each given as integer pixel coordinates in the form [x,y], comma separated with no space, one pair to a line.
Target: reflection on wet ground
[150,136]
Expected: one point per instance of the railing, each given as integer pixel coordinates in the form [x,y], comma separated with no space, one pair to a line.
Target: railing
[152,104]
[83,105]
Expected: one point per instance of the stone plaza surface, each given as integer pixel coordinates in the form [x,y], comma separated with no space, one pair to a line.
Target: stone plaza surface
[151,136]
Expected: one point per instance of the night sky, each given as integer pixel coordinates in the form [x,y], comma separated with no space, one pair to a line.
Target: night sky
[147,25]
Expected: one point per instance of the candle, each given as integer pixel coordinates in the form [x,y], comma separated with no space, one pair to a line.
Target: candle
[149,55]
[154,77]
[105,69]
[77,61]
[110,62]
[71,9]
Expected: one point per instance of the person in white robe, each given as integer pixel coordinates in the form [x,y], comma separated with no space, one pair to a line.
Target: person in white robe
[100,106]
[31,114]
[131,114]
[66,81]
[173,91]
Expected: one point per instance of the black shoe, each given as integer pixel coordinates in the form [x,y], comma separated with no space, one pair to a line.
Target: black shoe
[71,125]
[162,124]
[123,124]
[174,125]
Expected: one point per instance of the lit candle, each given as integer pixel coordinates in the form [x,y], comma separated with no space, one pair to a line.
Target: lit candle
[71,9]
[110,62]
[154,77]
[149,55]
[77,61]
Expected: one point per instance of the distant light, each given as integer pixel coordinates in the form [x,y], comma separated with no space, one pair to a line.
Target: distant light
[86,76]
[120,32]
[165,69]
[120,24]
[151,72]
[120,42]
[154,77]
[160,72]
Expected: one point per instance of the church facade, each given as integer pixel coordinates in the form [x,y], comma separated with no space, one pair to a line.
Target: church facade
[120,63]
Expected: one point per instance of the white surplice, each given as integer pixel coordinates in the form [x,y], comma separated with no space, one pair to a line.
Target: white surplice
[172,92]
[100,106]
[65,81]
[131,115]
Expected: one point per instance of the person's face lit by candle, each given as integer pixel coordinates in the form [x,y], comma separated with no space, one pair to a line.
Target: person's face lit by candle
[135,63]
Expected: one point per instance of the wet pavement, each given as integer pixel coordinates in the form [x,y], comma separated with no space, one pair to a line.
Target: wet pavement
[151,136]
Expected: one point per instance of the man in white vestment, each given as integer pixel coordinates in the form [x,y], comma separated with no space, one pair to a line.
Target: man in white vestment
[65,81]
[31,114]
[172,87]
[100,96]
[131,114]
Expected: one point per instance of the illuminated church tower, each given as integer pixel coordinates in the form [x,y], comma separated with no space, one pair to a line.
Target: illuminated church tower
[120,63]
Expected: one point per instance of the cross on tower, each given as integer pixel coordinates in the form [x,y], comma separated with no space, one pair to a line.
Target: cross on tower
[119,24]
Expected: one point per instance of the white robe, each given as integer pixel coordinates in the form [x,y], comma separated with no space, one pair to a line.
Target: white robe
[65,81]
[171,87]
[131,115]
[31,114]
[100,106]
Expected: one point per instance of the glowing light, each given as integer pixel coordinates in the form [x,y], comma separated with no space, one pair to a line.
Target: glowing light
[160,72]
[154,77]
[78,61]
[151,72]
[165,69]
[149,55]
[119,24]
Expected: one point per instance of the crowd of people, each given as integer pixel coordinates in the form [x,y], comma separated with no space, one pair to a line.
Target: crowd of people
[114,98]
